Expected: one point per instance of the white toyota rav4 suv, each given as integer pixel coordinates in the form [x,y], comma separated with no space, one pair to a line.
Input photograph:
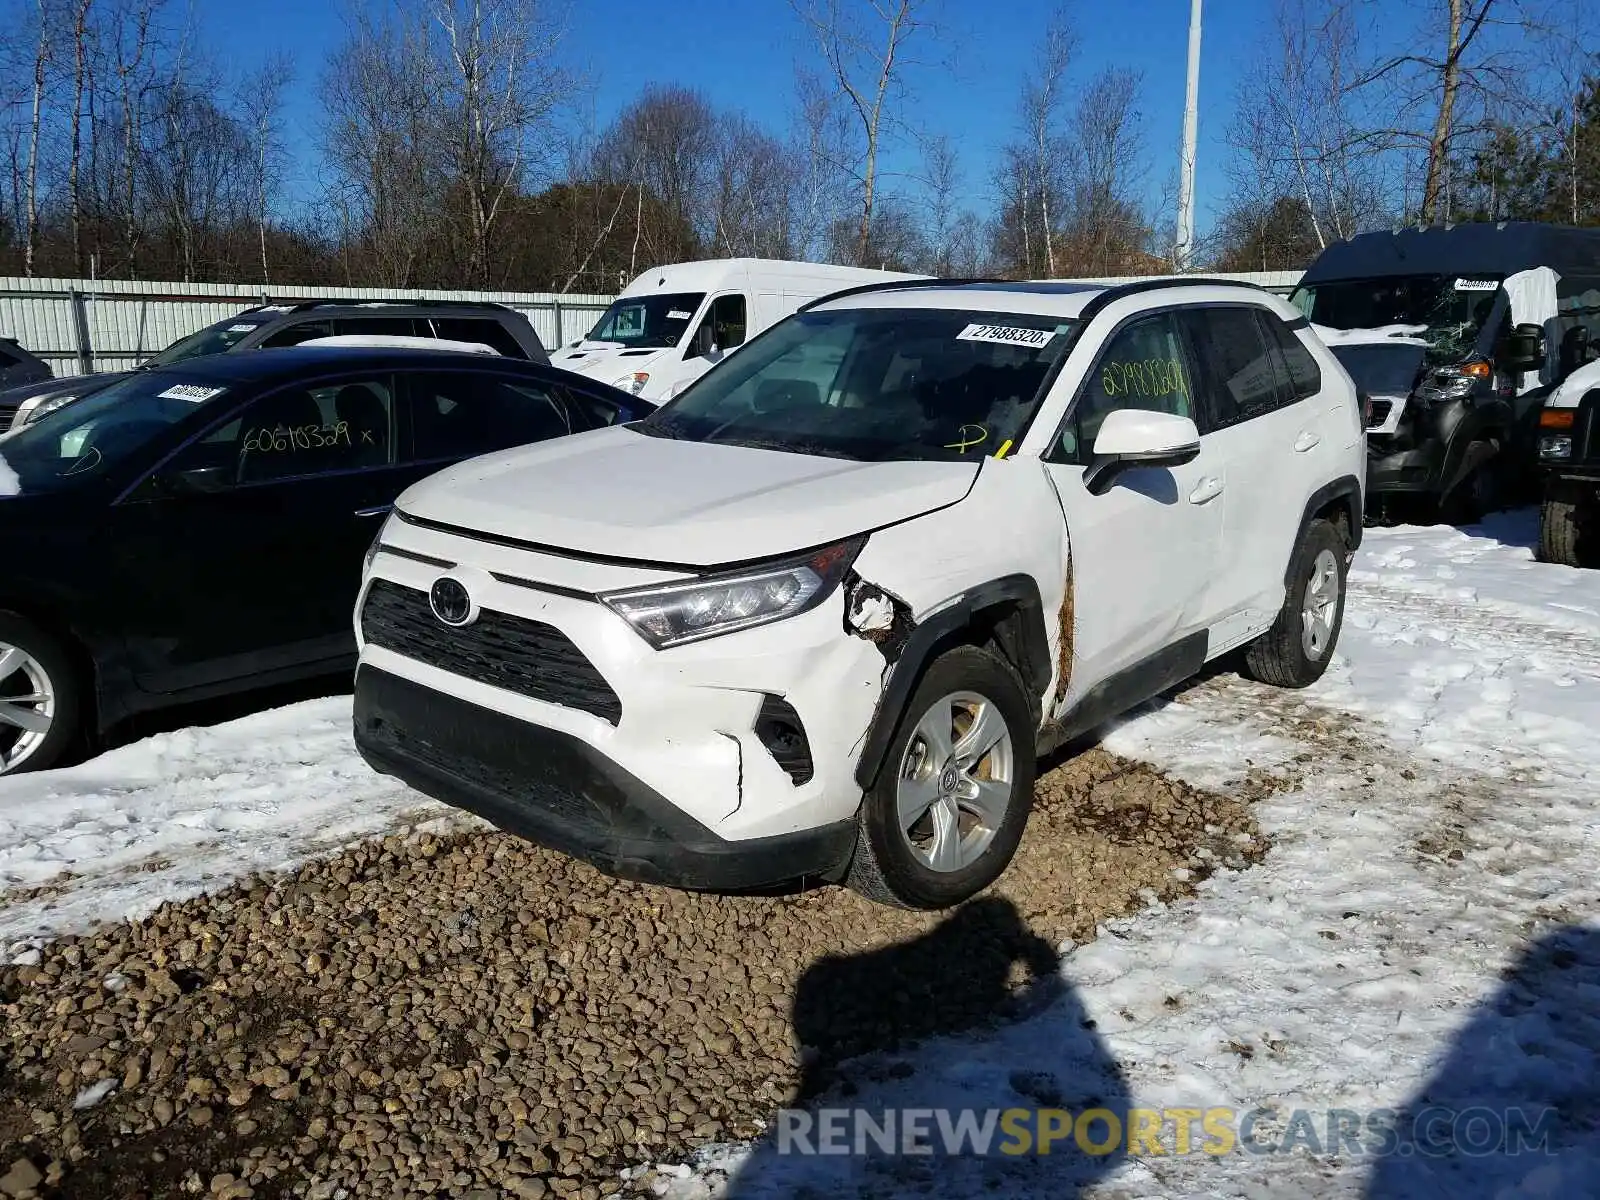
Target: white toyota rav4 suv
[815,618]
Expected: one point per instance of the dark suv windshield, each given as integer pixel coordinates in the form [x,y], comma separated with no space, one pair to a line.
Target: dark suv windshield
[647,321]
[875,383]
[1451,309]
[214,339]
[91,436]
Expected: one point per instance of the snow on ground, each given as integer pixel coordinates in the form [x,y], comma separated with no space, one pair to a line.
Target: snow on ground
[1427,922]
[1442,817]
[186,812]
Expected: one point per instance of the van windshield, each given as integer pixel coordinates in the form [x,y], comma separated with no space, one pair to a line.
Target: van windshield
[1451,309]
[875,384]
[656,322]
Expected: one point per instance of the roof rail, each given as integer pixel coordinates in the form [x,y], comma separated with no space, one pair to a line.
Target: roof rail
[890,285]
[376,302]
[1117,291]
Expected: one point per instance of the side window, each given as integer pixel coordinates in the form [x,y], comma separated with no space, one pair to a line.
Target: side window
[479,329]
[382,326]
[1143,366]
[7,359]
[723,327]
[463,414]
[293,335]
[301,431]
[1241,376]
[590,411]
[1305,377]
[1578,320]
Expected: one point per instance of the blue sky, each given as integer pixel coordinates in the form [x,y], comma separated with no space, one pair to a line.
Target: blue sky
[742,53]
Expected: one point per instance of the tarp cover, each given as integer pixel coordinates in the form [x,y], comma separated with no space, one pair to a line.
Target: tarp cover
[1461,250]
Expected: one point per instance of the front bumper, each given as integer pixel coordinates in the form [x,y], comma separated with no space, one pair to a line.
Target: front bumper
[1390,469]
[556,790]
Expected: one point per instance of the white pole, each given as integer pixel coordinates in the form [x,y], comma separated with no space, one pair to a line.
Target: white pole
[1191,121]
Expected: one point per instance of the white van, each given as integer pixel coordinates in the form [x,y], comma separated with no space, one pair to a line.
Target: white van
[673,323]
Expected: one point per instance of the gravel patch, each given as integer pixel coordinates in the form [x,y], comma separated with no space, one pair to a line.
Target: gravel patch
[465,1014]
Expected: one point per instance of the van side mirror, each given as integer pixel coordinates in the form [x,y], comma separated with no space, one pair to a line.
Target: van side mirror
[1524,349]
[1135,437]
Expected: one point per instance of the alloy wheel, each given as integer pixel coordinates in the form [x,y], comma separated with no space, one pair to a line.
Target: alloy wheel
[27,706]
[955,781]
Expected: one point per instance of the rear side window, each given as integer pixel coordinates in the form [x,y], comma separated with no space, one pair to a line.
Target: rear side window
[1242,376]
[7,359]
[293,335]
[479,329]
[463,414]
[381,326]
[1305,377]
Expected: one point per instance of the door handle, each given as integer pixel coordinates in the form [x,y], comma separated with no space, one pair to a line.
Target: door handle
[1306,441]
[376,511]
[1207,489]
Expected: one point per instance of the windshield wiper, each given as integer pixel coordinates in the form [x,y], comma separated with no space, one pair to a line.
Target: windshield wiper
[789,445]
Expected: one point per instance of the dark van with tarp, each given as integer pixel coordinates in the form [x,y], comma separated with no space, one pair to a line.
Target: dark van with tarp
[1493,316]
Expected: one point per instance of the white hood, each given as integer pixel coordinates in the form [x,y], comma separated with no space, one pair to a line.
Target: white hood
[620,493]
[605,361]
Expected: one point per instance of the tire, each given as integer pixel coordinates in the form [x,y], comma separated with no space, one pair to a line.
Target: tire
[899,866]
[1474,497]
[1291,654]
[1562,538]
[40,693]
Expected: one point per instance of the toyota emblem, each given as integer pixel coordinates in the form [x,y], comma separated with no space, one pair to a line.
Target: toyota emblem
[451,602]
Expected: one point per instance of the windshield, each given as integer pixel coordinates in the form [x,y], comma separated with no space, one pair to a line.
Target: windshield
[647,321]
[875,384]
[87,438]
[214,339]
[1452,308]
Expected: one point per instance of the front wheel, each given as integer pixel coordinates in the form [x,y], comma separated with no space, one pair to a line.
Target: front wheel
[1565,536]
[948,809]
[1295,651]
[39,698]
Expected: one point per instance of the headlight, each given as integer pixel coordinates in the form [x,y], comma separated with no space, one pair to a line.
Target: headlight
[1555,447]
[633,383]
[674,613]
[32,410]
[372,550]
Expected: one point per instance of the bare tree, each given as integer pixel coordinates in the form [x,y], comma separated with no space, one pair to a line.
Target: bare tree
[1107,232]
[1042,97]
[44,49]
[497,92]
[865,61]
[262,97]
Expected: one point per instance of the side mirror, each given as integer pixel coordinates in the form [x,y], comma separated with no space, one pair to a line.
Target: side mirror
[198,481]
[1134,437]
[1524,349]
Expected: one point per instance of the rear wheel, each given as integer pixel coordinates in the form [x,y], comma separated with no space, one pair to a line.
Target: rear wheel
[948,810]
[39,697]
[1295,651]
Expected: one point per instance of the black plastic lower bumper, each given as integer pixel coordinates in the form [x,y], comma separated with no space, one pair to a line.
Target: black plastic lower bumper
[1413,470]
[558,791]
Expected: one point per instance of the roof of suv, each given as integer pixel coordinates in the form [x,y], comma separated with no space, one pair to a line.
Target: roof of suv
[1048,297]
[300,306]
[289,362]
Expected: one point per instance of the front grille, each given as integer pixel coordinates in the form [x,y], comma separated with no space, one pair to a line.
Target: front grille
[1379,413]
[8,412]
[527,657]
